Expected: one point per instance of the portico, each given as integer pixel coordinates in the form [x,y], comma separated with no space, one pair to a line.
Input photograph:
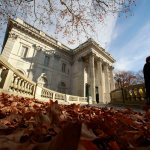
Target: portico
[99,78]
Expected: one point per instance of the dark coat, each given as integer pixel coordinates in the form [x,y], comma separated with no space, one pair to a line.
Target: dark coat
[146,72]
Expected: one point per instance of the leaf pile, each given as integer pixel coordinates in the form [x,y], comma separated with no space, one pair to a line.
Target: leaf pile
[30,124]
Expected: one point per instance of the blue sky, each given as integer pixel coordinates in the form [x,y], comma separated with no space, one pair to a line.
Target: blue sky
[130,39]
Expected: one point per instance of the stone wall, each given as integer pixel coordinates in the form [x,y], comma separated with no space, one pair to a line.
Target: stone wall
[14,82]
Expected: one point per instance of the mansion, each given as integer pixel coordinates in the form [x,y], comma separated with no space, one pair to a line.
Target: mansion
[84,71]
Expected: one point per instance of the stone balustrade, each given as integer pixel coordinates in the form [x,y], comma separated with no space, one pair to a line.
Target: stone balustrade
[132,95]
[60,96]
[63,98]
[13,82]
[46,93]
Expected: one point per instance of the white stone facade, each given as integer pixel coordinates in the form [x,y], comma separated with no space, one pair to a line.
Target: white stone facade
[84,71]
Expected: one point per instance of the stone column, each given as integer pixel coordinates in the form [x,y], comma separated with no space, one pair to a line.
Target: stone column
[112,84]
[92,77]
[107,84]
[100,79]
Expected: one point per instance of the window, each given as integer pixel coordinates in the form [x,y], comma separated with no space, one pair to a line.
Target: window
[96,89]
[62,87]
[63,67]
[46,60]
[24,51]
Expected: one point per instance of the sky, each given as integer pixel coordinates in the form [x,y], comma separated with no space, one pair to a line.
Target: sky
[130,38]
[127,39]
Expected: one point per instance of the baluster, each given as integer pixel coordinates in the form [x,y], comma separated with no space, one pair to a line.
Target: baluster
[19,84]
[141,93]
[43,93]
[138,94]
[129,95]
[12,83]
[1,70]
[18,80]
[133,95]
[23,86]
[26,90]
[16,83]
[30,89]
[3,73]
[51,95]
[46,94]
[144,93]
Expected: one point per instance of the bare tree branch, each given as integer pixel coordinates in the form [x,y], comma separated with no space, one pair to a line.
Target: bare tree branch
[69,16]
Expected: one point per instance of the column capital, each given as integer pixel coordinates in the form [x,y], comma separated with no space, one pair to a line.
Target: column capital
[111,67]
[13,35]
[100,59]
[38,48]
[92,54]
[105,64]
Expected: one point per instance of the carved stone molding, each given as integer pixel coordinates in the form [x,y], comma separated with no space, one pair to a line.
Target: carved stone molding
[92,54]
[13,35]
[100,60]
[38,48]
[49,51]
[111,67]
[57,56]
[105,64]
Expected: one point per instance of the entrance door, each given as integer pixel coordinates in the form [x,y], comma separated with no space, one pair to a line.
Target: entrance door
[87,90]
[97,94]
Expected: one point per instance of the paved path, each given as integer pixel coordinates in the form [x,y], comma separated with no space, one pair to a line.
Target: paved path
[134,108]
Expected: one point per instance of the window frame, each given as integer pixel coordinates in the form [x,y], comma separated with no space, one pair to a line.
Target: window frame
[24,51]
[63,69]
[46,60]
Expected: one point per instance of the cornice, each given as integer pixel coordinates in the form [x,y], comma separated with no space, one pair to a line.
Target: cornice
[91,43]
[50,41]
[39,35]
